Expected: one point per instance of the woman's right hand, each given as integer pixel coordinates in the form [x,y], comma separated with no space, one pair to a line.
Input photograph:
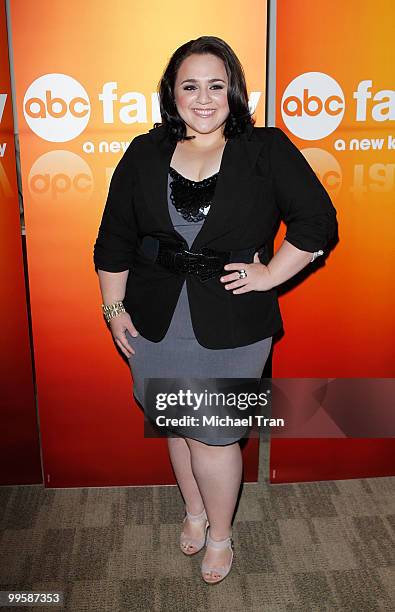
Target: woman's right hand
[118,325]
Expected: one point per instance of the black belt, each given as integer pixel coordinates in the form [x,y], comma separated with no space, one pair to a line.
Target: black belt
[206,264]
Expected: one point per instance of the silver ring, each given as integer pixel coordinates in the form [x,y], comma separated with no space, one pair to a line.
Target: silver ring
[242,273]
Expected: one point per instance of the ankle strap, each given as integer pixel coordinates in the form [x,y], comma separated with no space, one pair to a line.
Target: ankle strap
[196,517]
[219,544]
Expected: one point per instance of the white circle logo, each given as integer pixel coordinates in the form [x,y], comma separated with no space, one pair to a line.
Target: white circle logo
[60,177]
[312,105]
[56,107]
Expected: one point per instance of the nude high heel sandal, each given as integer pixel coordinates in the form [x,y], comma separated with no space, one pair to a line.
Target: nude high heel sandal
[222,571]
[187,541]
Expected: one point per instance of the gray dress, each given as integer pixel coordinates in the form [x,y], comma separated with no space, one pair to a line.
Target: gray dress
[179,355]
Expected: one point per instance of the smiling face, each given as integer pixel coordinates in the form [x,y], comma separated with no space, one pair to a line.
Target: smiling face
[200,93]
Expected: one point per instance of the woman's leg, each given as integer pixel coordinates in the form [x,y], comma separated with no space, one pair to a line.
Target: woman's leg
[180,457]
[218,472]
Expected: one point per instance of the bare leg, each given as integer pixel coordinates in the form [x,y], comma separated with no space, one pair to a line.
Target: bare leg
[180,457]
[218,472]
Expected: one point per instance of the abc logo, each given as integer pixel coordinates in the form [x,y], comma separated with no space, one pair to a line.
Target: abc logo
[56,107]
[60,177]
[312,105]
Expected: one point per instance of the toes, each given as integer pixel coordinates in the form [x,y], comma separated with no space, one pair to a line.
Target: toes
[188,547]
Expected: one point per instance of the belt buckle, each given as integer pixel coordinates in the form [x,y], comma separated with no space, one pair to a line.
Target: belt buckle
[194,262]
[185,261]
[204,265]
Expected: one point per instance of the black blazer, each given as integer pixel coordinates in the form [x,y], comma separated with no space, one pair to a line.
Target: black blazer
[263,178]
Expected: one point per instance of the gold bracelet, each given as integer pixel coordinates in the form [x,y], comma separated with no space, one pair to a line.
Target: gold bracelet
[113,310]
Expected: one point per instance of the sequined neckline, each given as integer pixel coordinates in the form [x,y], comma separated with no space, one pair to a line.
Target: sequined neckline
[192,199]
[186,181]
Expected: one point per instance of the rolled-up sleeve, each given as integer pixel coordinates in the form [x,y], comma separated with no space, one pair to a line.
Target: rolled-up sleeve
[116,241]
[304,204]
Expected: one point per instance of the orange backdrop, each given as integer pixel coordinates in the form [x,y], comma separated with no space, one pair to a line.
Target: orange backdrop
[339,322]
[85,82]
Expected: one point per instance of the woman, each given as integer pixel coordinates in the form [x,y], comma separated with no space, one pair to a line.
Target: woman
[189,281]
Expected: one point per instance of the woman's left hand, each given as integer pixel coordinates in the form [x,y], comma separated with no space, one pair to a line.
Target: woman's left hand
[257,279]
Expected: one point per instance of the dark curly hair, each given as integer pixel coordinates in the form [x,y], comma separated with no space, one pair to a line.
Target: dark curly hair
[239,114]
